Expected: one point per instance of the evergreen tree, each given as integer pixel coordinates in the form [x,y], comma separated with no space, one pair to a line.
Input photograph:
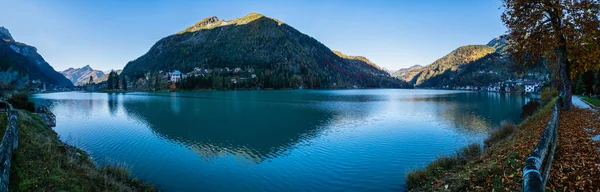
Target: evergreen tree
[124,81]
[110,80]
[117,82]
[588,81]
[580,86]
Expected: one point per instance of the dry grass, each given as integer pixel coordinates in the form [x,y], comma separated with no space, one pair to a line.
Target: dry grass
[499,168]
[441,165]
[506,129]
[44,163]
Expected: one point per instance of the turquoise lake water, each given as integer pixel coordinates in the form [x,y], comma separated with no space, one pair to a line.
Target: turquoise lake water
[292,140]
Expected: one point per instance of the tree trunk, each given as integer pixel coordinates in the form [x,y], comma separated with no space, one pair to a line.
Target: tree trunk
[565,76]
[567,88]
[563,56]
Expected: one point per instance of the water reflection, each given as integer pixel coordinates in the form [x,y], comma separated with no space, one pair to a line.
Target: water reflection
[479,112]
[277,140]
[261,125]
[213,128]
[258,128]
[113,103]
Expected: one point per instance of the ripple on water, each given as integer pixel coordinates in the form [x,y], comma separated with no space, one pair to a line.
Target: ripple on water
[354,140]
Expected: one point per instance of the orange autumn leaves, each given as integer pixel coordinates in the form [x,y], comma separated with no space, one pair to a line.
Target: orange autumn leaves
[576,166]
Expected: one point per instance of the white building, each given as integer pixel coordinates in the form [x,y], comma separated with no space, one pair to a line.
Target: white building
[176,76]
[530,86]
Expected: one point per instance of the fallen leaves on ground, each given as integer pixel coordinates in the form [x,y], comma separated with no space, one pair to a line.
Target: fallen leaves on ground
[499,168]
[576,166]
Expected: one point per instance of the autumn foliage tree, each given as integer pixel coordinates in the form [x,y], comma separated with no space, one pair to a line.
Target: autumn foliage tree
[565,34]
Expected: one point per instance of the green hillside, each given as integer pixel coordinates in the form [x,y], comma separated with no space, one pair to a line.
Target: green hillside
[280,56]
[451,63]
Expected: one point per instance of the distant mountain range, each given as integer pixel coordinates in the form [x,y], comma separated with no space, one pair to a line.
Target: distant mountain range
[474,65]
[21,64]
[281,56]
[81,76]
[407,74]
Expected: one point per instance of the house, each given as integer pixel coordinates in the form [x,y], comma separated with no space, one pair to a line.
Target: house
[530,86]
[493,88]
[176,76]
[237,70]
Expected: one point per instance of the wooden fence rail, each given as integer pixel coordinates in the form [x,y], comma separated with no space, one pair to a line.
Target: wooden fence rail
[537,166]
[9,143]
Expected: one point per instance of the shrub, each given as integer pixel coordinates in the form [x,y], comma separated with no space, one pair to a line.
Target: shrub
[30,106]
[469,152]
[416,178]
[21,101]
[117,171]
[529,109]
[506,129]
[444,163]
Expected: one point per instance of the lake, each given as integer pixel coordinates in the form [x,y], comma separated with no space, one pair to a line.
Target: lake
[290,140]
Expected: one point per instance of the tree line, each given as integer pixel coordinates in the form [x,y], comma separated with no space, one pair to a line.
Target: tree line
[116,81]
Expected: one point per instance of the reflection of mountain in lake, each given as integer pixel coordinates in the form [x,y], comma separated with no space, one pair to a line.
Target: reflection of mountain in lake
[256,126]
[479,112]
[252,129]
[301,140]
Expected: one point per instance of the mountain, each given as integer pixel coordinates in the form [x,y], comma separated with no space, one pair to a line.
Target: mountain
[499,43]
[279,55]
[81,76]
[360,62]
[475,65]
[407,74]
[20,64]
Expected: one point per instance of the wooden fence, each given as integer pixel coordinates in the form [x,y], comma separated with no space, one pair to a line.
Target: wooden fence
[537,166]
[9,143]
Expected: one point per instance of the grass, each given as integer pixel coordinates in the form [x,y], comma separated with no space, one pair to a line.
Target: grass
[43,163]
[595,102]
[506,129]
[419,178]
[496,168]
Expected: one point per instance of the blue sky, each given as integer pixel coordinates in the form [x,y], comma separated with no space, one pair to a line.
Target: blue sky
[106,34]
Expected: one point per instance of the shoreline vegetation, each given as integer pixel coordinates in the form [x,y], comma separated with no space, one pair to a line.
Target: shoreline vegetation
[499,165]
[271,89]
[42,162]
[494,166]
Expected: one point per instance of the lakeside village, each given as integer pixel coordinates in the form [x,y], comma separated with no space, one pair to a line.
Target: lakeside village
[522,86]
[238,78]
[222,78]
[528,84]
